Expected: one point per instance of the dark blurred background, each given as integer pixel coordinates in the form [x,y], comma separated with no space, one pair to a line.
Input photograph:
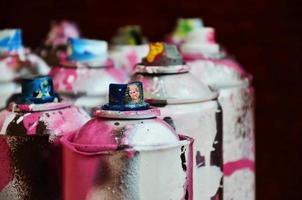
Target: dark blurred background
[264,35]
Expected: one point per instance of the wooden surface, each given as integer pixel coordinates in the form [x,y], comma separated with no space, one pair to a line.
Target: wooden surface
[265,36]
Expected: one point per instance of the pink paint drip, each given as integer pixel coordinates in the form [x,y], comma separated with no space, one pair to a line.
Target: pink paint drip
[231,167]
[6,173]
[231,64]
[65,76]
[190,170]
[211,37]
[30,122]
[116,74]
[133,60]
[68,74]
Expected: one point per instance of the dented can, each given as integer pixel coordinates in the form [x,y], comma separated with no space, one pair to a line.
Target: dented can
[29,141]
[126,152]
[236,95]
[192,107]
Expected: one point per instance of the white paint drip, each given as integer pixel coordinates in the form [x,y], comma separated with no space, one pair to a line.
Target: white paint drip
[8,120]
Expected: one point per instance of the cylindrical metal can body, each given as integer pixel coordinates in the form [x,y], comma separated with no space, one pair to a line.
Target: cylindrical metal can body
[193,109]
[15,67]
[239,142]
[236,96]
[125,57]
[132,174]
[203,122]
[85,86]
[121,159]
[31,150]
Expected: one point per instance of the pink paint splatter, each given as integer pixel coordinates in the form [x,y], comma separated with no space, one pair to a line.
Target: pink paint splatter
[54,71]
[133,60]
[228,62]
[191,57]
[64,77]
[87,135]
[30,122]
[147,84]
[117,74]
[24,107]
[69,78]
[231,167]
[211,37]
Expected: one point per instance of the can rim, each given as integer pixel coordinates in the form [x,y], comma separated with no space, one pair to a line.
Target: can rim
[152,112]
[65,63]
[14,107]
[92,150]
[171,69]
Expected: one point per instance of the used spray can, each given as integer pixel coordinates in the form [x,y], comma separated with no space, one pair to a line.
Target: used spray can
[126,152]
[15,63]
[192,107]
[30,151]
[54,48]
[129,46]
[183,27]
[236,96]
[83,77]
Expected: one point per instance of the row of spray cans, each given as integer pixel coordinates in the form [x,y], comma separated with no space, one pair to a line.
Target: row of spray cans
[128,146]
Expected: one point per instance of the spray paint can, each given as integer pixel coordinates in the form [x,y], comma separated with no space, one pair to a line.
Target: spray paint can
[29,141]
[15,62]
[129,46]
[54,48]
[83,77]
[127,152]
[236,96]
[192,107]
[182,28]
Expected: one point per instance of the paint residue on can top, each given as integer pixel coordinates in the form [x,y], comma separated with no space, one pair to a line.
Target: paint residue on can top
[128,47]
[38,110]
[84,75]
[122,150]
[189,105]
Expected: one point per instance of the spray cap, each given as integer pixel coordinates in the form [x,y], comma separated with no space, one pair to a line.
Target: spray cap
[86,52]
[38,90]
[10,40]
[125,97]
[129,35]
